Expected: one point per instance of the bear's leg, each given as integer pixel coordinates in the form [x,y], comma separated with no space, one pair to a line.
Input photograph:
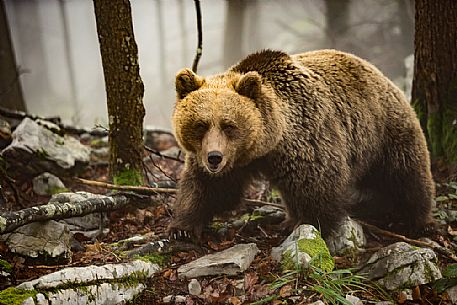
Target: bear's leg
[325,213]
[401,189]
[200,197]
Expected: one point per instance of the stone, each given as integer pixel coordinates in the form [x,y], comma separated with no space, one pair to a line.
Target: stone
[173,299]
[48,239]
[82,275]
[36,149]
[401,265]
[348,239]
[452,294]
[302,246]
[353,299]
[47,184]
[230,262]
[194,287]
[319,302]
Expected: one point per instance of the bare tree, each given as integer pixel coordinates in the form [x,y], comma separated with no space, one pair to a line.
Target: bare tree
[434,93]
[10,85]
[337,22]
[124,89]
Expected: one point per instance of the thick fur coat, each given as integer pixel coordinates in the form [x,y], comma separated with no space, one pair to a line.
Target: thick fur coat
[326,128]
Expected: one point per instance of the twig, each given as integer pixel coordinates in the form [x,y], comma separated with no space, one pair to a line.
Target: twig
[157,153]
[161,170]
[415,242]
[200,36]
[139,189]
[260,202]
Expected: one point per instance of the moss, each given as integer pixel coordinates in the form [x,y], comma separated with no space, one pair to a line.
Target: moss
[316,249]
[5,266]
[251,217]
[14,296]
[217,225]
[158,259]
[128,177]
[58,190]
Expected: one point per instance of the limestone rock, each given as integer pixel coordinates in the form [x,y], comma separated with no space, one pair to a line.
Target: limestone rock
[348,238]
[49,239]
[36,149]
[194,287]
[304,244]
[81,275]
[230,261]
[47,184]
[401,265]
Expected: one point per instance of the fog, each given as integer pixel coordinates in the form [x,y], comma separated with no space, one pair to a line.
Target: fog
[57,50]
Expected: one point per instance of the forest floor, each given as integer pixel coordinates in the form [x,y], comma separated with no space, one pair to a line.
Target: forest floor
[262,283]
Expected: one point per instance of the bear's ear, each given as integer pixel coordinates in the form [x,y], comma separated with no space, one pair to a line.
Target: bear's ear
[186,82]
[249,85]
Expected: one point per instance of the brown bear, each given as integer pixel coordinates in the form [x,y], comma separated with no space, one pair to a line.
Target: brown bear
[329,131]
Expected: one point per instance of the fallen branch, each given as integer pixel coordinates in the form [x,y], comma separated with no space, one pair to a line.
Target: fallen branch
[12,220]
[137,189]
[415,242]
[157,153]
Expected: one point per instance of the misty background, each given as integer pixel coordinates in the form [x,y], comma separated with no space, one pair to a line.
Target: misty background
[58,57]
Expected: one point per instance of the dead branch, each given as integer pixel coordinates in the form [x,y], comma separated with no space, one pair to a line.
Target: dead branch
[200,36]
[12,220]
[137,189]
[260,202]
[157,153]
[415,242]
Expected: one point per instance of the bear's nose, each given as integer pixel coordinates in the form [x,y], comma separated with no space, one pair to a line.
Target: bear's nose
[214,158]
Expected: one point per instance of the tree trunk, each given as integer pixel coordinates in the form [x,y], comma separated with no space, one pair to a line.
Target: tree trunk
[233,39]
[10,84]
[124,89]
[434,93]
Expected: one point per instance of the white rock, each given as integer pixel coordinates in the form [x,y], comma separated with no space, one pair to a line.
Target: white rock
[401,265]
[319,302]
[452,294]
[47,184]
[38,149]
[348,238]
[41,299]
[28,301]
[194,287]
[290,249]
[48,238]
[102,294]
[81,275]
[230,261]
[353,299]
[174,299]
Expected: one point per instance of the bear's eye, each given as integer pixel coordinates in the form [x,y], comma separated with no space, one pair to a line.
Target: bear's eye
[200,127]
[229,128]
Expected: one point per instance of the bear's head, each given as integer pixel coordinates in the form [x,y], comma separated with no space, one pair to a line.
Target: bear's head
[225,120]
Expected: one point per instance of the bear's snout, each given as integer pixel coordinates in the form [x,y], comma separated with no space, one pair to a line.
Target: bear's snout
[214,159]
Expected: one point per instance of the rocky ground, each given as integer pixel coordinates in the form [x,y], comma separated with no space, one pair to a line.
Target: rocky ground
[123,255]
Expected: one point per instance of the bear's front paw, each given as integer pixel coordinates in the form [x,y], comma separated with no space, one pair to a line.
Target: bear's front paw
[179,231]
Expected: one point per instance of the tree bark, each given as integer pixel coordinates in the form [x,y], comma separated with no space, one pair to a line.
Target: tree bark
[124,89]
[12,220]
[10,84]
[434,93]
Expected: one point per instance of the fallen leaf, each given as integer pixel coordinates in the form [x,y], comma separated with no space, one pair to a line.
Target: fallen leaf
[285,291]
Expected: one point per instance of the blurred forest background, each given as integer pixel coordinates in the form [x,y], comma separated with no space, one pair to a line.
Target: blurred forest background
[57,54]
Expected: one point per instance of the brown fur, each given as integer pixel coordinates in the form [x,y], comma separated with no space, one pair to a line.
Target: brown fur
[326,128]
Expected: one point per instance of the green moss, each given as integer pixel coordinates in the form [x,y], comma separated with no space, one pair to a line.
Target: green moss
[316,249]
[216,225]
[251,217]
[58,190]
[5,266]
[14,296]
[160,260]
[449,136]
[128,177]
